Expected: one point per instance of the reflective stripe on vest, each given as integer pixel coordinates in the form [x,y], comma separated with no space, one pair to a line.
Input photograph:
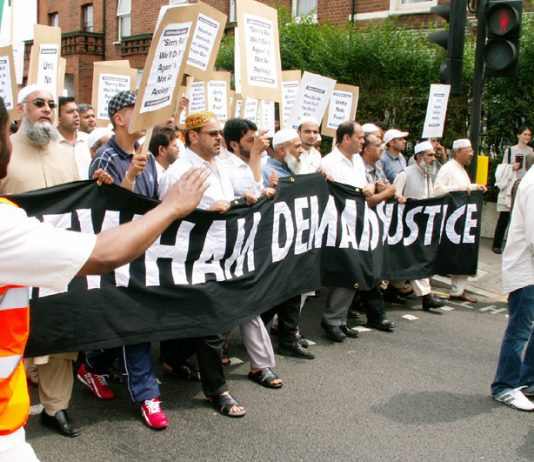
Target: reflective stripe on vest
[8,364]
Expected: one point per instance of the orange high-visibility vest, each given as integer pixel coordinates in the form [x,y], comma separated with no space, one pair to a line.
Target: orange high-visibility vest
[14,330]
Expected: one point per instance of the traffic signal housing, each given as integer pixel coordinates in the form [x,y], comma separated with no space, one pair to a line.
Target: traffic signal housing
[453,41]
[503,33]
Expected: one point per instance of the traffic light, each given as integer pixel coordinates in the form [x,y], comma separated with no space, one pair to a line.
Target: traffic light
[503,31]
[453,41]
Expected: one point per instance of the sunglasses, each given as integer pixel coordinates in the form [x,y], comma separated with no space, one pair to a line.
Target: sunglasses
[213,133]
[40,103]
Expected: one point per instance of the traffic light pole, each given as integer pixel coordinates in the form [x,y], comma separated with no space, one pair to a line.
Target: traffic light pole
[478,84]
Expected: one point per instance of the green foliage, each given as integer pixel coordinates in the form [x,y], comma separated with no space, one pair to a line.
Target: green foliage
[394,68]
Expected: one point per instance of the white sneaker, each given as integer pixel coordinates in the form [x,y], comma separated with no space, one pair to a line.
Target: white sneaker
[516,399]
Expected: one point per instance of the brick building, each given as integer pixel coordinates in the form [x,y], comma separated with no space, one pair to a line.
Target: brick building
[98,30]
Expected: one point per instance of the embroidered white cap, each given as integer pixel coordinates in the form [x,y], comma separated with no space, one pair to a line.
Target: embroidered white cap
[284,135]
[30,89]
[422,147]
[462,143]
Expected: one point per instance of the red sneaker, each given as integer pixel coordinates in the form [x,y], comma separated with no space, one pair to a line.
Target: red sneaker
[96,383]
[153,415]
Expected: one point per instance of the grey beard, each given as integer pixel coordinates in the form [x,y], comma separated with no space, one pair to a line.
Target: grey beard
[429,169]
[39,133]
[293,163]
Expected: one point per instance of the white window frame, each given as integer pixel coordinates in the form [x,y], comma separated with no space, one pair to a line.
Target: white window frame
[232,11]
[294,5]
[399,7]
[53,18]
[85,9]
[124,12]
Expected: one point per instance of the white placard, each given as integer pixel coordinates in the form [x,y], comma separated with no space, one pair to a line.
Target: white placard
[260,51]
[267,113]
[290,90]
[203,42]
[237,62]
[218,99]
[47,71]
[238,104]
[6,87]
[314,93]
[250,111]
[339,108]
[197,102]
[108,86]
[436,111]
[18,60]
[166,65]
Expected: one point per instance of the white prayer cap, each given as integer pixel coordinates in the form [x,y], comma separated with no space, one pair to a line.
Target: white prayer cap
[307,120]
[30,89]
[370,128]
[392,134]
[463,143]
[422,147]
[283,136]
[97,134]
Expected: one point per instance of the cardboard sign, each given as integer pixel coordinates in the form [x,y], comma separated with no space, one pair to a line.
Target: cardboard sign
[314,94]
[110,78]
[436,111]
[290,89]
[249,109]
[8,84]
[237,62]
[198,97]
[164,69]
[261,69]
[18,58]
[44,59]
[207,36]
[266,117]
[217,91]
[238,106]
[342,107]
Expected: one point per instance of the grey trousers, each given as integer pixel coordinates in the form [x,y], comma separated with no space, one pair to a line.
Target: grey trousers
[258,344]
[337,306]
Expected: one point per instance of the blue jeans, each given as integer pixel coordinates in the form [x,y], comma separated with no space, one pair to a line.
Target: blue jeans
[514,370]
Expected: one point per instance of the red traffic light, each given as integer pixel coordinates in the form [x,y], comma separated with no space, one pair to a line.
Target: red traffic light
[502,19]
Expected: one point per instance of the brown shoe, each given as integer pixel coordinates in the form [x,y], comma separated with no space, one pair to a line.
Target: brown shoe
[464,297]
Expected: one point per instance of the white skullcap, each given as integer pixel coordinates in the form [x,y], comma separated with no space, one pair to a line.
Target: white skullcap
[307,120]
[30,89]
[370,128]
[422,147]
[392,134]
[463,143]
[283,136]
[97,134]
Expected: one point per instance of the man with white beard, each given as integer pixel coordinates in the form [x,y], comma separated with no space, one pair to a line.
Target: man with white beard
[415,182]
[285,161]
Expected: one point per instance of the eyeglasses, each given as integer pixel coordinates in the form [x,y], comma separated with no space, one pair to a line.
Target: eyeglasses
[212,133]
[40,102]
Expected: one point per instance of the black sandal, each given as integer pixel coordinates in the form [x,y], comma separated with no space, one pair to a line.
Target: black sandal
[224,403]
[265,377]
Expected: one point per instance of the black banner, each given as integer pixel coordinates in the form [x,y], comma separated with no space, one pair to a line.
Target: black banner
[210,272]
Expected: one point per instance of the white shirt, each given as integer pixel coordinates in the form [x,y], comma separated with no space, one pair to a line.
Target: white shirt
[452,177]
[80,151]
[37,254]
[241,176]
[160,171]
[518,255]
[220,186]
[312,159]
[343,170]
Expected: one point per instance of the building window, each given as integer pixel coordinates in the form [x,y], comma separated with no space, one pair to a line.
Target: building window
[53,19]
[87,17]
[411,6]
[124,14]
[232,11]
[305,8]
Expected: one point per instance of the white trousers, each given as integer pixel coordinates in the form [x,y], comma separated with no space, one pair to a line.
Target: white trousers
[13,448]
[421,287]
[258,344]
[458,283]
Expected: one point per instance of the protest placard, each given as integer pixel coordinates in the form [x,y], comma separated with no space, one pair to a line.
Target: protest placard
[158,91]
[238,105]
[341,107]
[259,50]
[250,108]
[205,43]
[313,96]
[197,98]
[8,84]
[110,78]
[290,88]
[436,111]
[217,90]
[44,59]
[267,117]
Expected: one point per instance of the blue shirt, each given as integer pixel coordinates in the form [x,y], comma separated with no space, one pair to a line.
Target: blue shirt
[391,165]
[114,160]
[281,168]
